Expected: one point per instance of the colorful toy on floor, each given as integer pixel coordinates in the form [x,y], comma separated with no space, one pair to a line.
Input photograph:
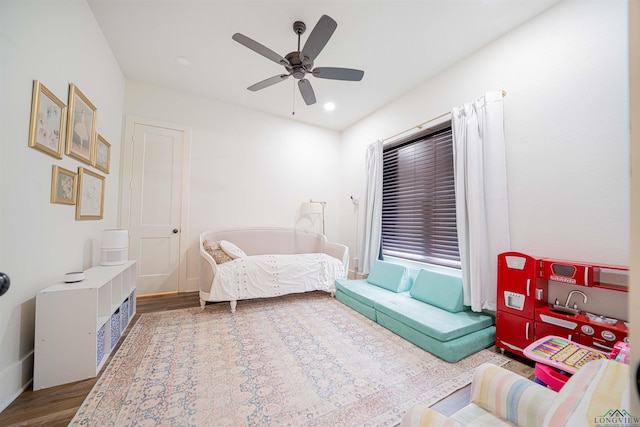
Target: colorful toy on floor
[558,358]
[561,353]
[620,352]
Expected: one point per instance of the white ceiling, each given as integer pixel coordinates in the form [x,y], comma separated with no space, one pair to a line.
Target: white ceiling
[398,44]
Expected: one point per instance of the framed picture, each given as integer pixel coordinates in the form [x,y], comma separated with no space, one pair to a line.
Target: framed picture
[81,126]
[48,121]
[102,158]
[63,186]
[90,199]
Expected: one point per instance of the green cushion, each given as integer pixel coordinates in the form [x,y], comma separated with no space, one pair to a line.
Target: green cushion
[358,306]
[451,351]
[432,321]
[393,277]
[362,291]
[439,289]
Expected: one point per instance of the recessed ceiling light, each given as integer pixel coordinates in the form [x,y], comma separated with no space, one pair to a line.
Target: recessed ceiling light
[329,106]
[182,60]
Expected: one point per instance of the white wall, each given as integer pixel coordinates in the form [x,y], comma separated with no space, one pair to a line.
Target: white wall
[566,127]
[56,42]
[247,168]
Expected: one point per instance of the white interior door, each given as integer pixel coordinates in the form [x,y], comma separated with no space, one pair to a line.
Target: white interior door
[155,200]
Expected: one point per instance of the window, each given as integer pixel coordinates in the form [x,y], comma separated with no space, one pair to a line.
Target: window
[418,199]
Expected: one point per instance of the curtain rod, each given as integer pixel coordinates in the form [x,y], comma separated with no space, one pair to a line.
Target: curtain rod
[419,126]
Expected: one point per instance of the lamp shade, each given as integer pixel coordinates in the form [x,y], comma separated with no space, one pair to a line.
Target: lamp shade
[308,208]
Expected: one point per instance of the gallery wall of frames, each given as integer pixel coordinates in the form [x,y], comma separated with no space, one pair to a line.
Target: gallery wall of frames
[57,129]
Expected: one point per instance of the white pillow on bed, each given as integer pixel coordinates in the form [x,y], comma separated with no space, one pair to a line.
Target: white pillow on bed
[232,250]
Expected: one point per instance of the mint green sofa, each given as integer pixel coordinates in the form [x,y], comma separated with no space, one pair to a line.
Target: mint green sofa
[429,312]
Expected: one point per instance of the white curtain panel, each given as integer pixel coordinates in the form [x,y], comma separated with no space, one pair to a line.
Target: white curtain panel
[482,212]
[372,227]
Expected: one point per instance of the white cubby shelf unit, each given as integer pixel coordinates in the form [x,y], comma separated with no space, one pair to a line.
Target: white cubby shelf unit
[79,324]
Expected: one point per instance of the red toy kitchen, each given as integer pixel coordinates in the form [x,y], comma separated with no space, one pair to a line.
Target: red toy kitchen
[538,297]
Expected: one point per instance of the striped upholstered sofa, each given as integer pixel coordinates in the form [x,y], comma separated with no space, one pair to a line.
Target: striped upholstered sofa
[596,395]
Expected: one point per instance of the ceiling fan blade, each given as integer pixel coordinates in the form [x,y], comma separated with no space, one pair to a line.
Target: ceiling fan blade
[338,73]
[307,91]
[319,37]
[269,82]
[258,48]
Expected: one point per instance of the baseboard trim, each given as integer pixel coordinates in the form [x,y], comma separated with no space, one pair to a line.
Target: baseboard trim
[15,380]
[192,285]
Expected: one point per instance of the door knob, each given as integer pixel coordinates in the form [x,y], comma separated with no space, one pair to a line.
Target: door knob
[175,231]
[4,283]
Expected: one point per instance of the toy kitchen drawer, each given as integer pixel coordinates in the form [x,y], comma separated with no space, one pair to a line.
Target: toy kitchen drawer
[603,276]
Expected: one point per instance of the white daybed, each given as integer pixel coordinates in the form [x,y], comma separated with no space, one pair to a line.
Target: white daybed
[278,261]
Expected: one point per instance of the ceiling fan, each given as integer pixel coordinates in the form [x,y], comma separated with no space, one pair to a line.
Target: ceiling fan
[300,63]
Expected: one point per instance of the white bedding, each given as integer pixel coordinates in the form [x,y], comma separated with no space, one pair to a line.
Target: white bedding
[260,276]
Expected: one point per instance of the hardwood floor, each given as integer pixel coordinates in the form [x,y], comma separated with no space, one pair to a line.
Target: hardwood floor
[56,406]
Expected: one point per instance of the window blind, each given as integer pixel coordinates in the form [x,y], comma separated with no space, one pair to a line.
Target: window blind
[418,200]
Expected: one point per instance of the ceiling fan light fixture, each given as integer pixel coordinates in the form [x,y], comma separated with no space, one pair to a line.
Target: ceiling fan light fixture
[329,106]
[300,62]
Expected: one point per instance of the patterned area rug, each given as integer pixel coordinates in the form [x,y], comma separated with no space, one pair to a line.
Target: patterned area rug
[296,360]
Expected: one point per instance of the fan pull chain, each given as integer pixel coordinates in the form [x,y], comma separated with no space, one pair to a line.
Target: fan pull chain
[293,100]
